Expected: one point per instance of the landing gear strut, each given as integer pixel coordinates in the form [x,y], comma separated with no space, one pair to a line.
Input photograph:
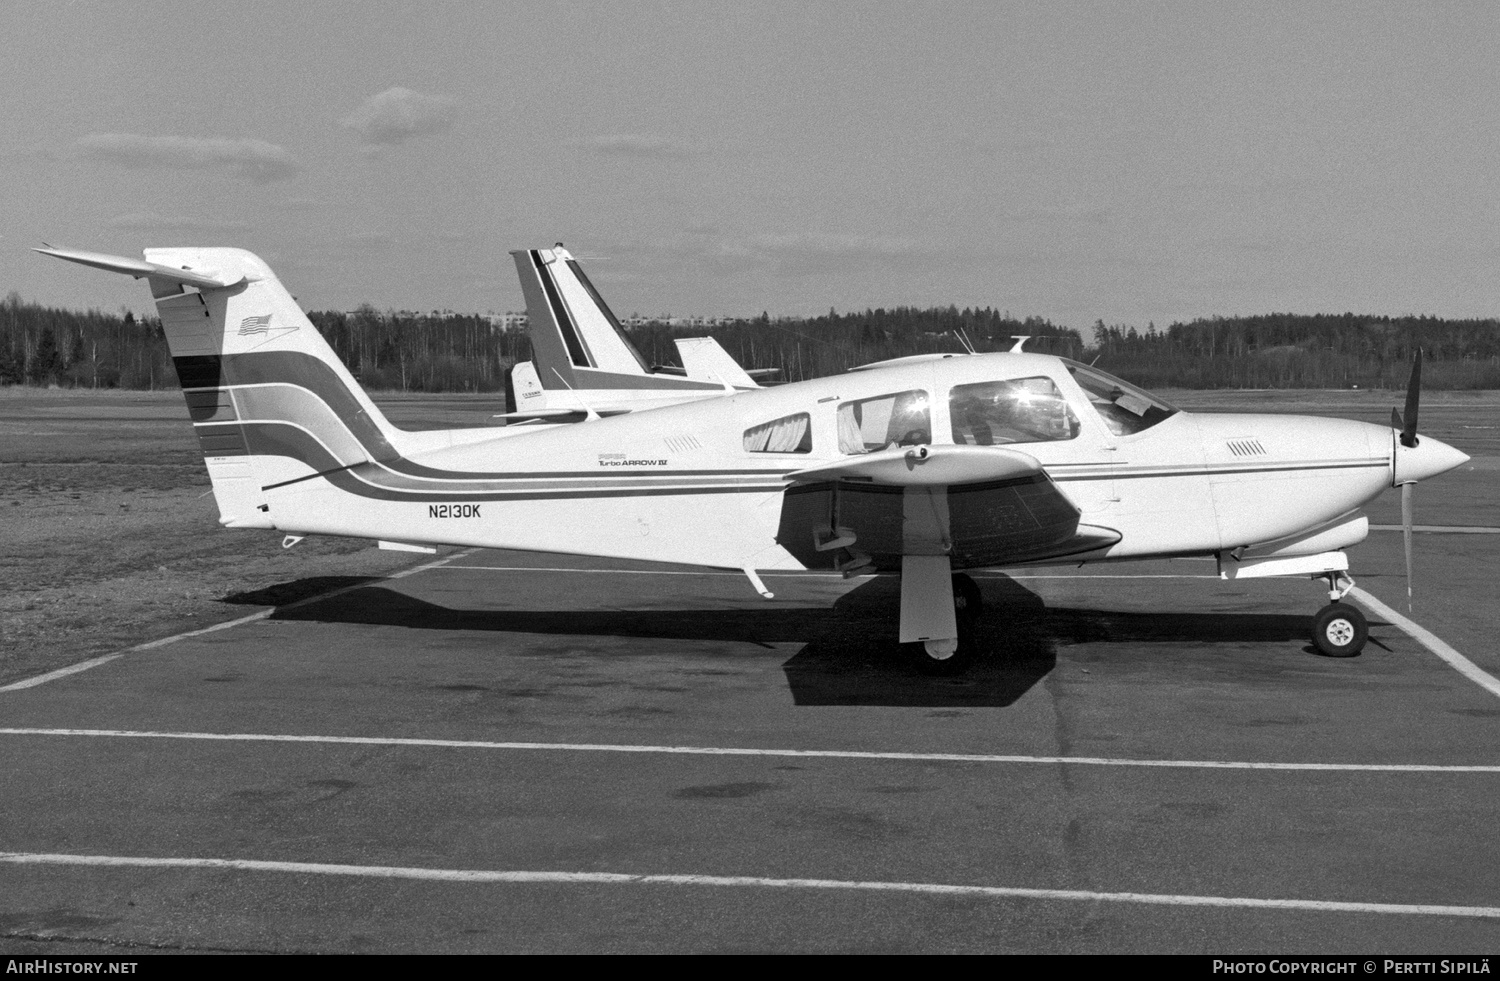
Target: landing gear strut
[938,610]
[1339,629]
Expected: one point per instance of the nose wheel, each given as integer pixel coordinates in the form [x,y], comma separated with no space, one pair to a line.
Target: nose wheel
[1339,629]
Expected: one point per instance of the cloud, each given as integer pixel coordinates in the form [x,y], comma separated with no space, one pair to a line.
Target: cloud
[252,160]
[397,114]
[642,145]
[145,221]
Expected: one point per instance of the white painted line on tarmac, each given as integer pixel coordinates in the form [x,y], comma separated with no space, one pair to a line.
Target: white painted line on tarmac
[1432,642]
[96,662]
[434,564]
[482,876]
[72,669]
[841,754]
[1442,529]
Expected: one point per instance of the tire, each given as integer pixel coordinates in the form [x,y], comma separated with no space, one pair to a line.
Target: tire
[1339,630]
[954,664]
[968,601]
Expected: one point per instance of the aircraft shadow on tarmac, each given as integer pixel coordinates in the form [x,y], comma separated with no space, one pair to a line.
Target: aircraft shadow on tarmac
[849,654]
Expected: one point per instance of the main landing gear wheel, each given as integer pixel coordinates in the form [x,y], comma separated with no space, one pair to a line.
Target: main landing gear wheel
[1340,630]
[949,657]
[955,655]
[968,602]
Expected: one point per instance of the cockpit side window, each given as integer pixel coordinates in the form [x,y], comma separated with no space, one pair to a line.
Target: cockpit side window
[1125,409]
[1019,410]
[898,419]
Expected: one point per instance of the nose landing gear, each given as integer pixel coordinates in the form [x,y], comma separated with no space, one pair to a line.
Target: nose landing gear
[1339,629]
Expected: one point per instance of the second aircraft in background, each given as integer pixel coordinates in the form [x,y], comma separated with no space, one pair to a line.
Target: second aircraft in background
[584,365]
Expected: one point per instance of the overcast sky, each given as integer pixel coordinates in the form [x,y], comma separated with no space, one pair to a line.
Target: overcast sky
[1127,161]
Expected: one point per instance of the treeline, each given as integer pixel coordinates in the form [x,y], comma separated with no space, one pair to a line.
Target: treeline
[444,351]
[440,351]
[1283,350]
[836,342]
[47,346]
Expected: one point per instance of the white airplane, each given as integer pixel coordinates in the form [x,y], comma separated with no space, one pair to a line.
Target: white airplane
[585,365]
[922,467]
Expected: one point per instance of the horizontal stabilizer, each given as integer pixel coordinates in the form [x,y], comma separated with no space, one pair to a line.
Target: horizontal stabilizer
[904,466]
[704,360]
[556,415]
[207,279]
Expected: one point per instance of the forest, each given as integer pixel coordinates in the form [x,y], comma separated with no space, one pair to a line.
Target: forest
[442,351]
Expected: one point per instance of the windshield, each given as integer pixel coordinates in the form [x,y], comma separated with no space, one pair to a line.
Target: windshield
[1124,408]
[1019,410]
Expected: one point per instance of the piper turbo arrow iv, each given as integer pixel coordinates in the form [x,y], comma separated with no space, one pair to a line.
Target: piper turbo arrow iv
[923,467]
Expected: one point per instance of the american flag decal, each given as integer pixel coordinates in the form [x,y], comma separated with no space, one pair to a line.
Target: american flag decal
[255,325]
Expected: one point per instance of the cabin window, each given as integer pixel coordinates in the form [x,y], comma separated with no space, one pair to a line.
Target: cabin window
[1125,409]
[1019,410]
[789,434]
[898,419]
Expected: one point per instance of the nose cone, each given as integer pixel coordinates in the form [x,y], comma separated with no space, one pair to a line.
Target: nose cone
[1428,458]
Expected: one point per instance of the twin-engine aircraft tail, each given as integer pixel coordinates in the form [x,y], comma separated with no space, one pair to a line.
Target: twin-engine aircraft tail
[260,380]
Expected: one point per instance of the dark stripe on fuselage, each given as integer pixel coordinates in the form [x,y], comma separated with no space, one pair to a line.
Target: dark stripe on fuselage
[291,368]
[560,313]
[378,481]
[313,375]
[199,371]
[350,480]
[213,405]
[1064,478]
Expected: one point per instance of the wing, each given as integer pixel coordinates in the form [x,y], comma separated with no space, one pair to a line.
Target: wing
[979,505]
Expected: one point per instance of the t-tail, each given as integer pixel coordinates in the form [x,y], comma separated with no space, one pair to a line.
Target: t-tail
[584,361]
[268,397]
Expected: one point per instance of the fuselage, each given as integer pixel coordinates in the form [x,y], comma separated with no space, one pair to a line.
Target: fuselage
[703,483]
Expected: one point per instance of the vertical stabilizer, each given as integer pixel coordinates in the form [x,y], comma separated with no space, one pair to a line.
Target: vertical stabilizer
[571,326]
[270,401]
[247,354]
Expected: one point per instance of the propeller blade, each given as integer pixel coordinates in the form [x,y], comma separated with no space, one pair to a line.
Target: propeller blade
[1413,393]
[1396,422]
[1406,522]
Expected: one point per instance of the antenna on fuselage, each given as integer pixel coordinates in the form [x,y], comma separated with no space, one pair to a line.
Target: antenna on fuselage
[963,339]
